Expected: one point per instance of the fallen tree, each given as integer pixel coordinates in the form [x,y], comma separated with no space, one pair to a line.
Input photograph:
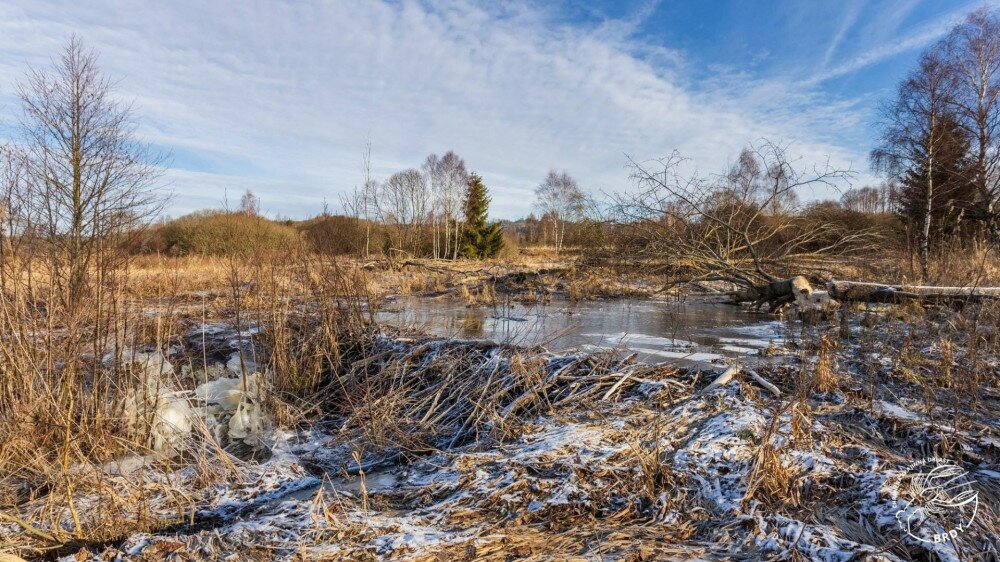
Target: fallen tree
[777,294]
[741,227]
[856,291]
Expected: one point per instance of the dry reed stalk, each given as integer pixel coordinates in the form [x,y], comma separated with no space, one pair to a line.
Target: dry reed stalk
[771,480]
[826,378]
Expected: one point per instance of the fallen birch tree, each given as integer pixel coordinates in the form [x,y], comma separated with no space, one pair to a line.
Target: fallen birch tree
[740,227]
[856,291]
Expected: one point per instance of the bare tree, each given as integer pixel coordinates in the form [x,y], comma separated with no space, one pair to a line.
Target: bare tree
[93,178]
[404,203]
[914,133]
[560,197]
[431,168]
[973,62]
[447,177]
[745,175]
[18,217]
[707,229]
[753,179]
[870,200]
[368,190]
[72,192]
[250,204]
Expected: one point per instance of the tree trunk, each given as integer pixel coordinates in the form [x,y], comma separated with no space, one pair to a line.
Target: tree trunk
[777,294]
[925,238]
[853,291]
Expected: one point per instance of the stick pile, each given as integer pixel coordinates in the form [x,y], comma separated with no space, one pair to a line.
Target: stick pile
[440,393]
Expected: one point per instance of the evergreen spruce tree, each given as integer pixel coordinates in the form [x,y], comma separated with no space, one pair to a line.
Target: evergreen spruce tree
[955,207]
[482,240]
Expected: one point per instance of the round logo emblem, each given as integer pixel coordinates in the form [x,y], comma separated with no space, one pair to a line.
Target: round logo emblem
[935,500]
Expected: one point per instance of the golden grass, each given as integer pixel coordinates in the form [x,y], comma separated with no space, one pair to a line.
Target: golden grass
[64,386]
[63,412]
[826,377]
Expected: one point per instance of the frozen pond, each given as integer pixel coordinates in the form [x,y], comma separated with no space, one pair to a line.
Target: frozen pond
[658,330]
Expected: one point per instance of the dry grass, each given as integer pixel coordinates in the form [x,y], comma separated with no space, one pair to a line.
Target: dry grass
[439,393]
[66,384]
[826,377]
[772,480]
[513,452]
[64,407]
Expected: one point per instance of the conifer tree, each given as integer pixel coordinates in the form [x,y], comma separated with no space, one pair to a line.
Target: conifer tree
[482,240]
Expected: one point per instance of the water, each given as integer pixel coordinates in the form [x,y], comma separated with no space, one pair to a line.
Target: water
[658,330]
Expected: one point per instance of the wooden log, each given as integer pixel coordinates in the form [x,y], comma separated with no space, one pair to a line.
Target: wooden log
[721,380]
[777,294]
[764,382]
[856,291]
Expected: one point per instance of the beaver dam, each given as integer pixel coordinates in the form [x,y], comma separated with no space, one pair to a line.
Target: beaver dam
[640,431]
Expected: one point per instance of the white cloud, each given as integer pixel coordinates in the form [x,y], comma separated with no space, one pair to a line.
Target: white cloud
[281,98]
[892,45]
[850,17]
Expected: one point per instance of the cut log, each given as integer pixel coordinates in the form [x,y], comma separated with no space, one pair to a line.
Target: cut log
[855,291]
[777,294]
[434,266]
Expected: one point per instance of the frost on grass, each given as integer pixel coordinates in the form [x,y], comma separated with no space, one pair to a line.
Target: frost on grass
[602,458]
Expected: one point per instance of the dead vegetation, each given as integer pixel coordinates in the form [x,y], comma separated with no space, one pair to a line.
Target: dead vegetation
[440,393]
[248,405]
[430,448]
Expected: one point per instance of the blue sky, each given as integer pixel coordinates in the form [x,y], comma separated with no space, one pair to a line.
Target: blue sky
[281,97]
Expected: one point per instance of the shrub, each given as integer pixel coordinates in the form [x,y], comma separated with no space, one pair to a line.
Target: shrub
[221,233]
[339,235]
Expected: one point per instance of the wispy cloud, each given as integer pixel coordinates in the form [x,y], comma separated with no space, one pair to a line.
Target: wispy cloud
[889,46]
[850,17]
[281,98]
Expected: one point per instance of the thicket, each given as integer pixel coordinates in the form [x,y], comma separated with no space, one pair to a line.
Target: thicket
[224,233]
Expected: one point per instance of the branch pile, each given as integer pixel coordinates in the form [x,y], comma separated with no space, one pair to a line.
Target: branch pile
[442,392]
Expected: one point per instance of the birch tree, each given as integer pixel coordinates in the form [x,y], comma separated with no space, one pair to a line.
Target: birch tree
[403,200]
[560,197]
[913,133]
[973,55]
[447,178]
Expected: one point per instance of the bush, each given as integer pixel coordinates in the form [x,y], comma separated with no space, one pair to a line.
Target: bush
[221,233]
[339,235]
[586,234]
[887,228]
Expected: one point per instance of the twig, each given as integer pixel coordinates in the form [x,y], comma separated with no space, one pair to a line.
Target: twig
[31,529]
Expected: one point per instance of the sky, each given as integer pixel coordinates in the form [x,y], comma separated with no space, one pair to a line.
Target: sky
[282,97]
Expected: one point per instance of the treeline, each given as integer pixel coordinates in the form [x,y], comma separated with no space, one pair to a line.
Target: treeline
[399,231]
[440,211]
[940,141]
[592,227]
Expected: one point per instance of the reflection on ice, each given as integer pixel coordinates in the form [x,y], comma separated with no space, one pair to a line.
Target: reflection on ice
[657,330]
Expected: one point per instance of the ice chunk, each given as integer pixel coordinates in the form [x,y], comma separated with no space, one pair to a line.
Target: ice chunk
[238,367]
[148,366]
[248,421]
[225,395]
